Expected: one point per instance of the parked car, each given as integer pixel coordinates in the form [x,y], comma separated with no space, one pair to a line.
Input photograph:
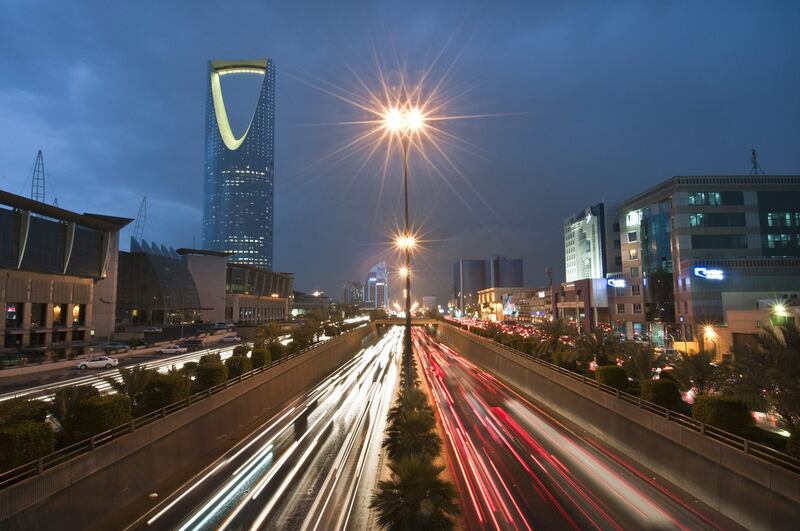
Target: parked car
[223,325]
[231,339]
[114,347]
[172,349]
[98,362]
[153,330]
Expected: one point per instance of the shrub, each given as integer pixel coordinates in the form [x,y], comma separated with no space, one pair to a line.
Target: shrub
[210,358]
[260,357]
[189,368]
[722,412]
[22,409]
[24,442]
[276,350]
[612,376]
[241,350]
[210,373]
[238,365]
[164,389]
[662,392]
[100,413]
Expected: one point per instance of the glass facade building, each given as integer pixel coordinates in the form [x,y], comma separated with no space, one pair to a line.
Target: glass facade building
[471,276]
[239,172]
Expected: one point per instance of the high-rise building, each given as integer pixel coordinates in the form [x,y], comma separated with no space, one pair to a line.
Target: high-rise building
[353,293]
[376,287]
[471,276]
[694,247]
[239,172]
[591,243]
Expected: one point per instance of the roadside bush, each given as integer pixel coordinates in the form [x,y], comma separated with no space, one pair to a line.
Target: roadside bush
[24,442]
[238,365]
[100,413]
[241,350]
[210,358]
[260,357]
[724,413]
[276,350]
[189,368]
[662,392]
[164,389]
[65,405]
[525,347]
[22,409]
[613,376]
[210,373]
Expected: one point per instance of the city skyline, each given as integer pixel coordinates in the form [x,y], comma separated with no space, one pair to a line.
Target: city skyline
[696,109]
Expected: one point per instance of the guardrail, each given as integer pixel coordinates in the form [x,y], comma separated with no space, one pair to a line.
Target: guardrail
[62,455]
[747,446]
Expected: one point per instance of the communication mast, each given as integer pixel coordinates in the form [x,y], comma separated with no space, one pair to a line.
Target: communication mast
[141,218]
[37,180]
[756,168]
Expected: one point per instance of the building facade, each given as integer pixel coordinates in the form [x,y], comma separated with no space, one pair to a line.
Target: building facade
[59,282]
[209,270]
[472,276]
[500,303]
[376,287]
[254,295]
[239,172]
[591,243]
[694,247]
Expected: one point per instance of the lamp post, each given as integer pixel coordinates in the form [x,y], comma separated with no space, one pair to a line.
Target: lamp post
[405,121]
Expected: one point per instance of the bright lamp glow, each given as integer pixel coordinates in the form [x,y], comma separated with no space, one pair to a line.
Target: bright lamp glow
[405,241]
[709,331]
[404,120]
[779,309]
[403,271]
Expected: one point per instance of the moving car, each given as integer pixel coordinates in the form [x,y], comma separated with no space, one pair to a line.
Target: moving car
[98,362]
[231,339]
[191,344]
[172,349]
[153,330]
[113,347]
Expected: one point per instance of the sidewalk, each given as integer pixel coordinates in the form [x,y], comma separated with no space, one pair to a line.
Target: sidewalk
[68,364]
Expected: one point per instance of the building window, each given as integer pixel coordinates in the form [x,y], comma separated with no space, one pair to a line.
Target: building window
[616,226]
[59,314]
[637,308]
[620,308]
[633,254]
[778,241]
[38,314]
[783,219]
[634,272]
[716,198]
[696,220]
[79,314]
[635,289]
[632,236]
[14,314]
[718,219]
[618,261]
[719,241]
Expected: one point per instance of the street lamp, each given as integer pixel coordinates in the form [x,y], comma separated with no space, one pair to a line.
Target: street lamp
[404,122]
[710,334]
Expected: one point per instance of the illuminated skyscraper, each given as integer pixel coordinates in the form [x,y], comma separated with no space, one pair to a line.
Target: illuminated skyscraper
[239,172]
[376,288]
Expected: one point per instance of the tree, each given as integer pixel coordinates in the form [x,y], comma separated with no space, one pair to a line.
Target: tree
[600,346]
[241,350]
[272,331]
[612,376]
[132,383]
[162,390]
[766,375]
[65,405]
[260,357]
[639,361]
[238,365]
[551,333]
[210,374]
[415,497]
[695,371]
[412,433]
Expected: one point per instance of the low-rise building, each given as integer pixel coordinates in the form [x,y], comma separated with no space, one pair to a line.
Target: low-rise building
[254,295]
[497,304]
[59,281]
[582,303]
[305,303]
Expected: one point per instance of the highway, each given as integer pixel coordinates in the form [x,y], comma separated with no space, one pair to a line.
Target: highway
[71,377]
[519,467]
[311,466]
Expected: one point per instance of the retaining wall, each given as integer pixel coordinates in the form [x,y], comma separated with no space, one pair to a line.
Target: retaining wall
[83,492]
[751,491]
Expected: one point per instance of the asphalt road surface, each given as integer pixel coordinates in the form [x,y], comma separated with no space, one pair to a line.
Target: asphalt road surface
[312,466]
[517,466]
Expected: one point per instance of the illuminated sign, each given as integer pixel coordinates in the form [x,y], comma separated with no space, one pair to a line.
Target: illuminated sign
[709,274]
[617,282]
[541,294]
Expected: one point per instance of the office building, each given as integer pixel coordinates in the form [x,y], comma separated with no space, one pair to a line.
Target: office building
[429,303]
[316,302]
[591,243]
[695,247]
[472,276]
[376,287]
[208,270]
[59,277]
[239,172]
[254,295]
[500,303]
[155,287]
[353,293]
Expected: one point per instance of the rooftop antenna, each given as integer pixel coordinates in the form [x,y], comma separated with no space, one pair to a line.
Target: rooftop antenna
[141,218]
[756,168]
[37,180]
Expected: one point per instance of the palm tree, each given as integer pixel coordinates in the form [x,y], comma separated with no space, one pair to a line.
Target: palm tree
[639,362]
[551,333]
[415,497]
[133,383]
[599,346]
[695,371]
[411,400]
[65,404]
[412,433]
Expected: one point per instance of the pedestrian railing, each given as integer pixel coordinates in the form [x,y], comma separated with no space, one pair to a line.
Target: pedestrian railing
[62,455]
[747,446]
